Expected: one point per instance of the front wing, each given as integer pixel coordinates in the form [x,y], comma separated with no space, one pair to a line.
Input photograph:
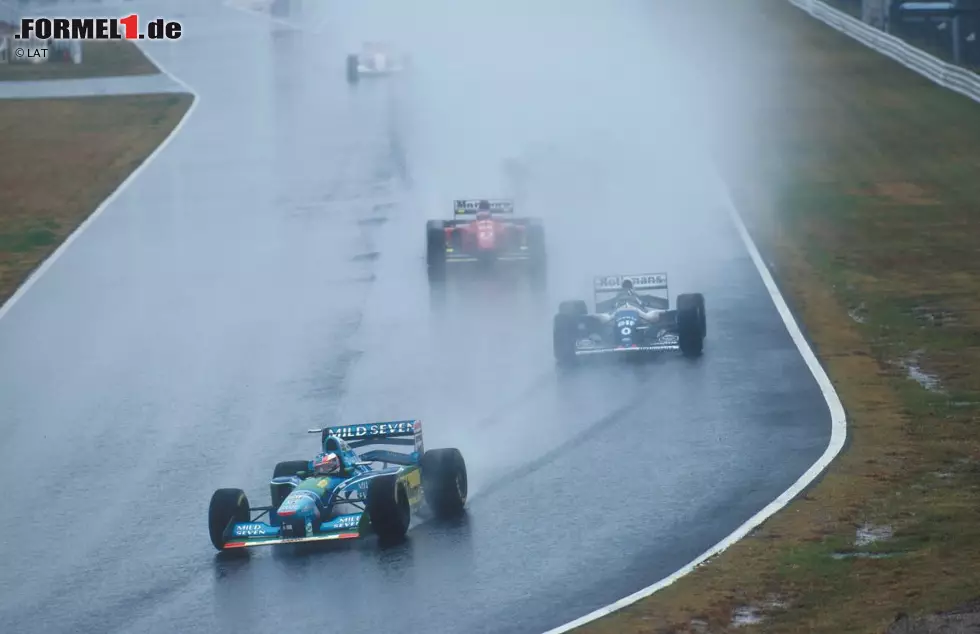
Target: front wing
[390,67]
[248,534]
[369,70]
[585,347]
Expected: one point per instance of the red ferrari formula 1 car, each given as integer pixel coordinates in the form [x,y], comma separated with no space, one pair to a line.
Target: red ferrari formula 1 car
[484,232]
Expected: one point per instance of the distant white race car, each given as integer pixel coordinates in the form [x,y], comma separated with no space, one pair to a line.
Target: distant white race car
[375,59]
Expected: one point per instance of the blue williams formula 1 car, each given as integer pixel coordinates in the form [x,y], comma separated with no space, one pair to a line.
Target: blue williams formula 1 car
[629,321]
[339,495]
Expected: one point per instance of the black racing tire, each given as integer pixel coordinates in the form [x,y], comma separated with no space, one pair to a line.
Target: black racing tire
[353,76]
[539,254]
[704,318]
[564,335]
[444,482]
[291,468]
[279,492]
[227,506]
[435,249]
[388,508]
[691,323]
[576,307]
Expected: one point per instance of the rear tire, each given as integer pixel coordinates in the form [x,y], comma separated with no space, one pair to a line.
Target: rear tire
[228,506]
[444,482]
[435,249]
[691,323]
[704,318]
[388,508]
[353,76]
[279,492]
[576,307]
[291,468]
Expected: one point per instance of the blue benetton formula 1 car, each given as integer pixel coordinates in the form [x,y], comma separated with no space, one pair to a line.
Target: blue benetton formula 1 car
[338,495]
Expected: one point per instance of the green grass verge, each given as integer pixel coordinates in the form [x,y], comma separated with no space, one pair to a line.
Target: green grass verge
[64,157]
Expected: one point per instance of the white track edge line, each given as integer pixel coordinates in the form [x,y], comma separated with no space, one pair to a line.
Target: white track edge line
[92,217]
[838,433]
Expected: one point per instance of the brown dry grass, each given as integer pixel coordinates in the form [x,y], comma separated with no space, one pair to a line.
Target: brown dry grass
[864,193]
[62,157]
[99,59]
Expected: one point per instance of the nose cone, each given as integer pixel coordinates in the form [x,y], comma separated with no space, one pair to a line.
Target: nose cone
[298,503]
[299,514]
[625,322]
[486,236]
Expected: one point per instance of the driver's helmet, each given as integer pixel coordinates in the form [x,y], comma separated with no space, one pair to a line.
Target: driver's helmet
[484,205]
[626,294]
[326,464]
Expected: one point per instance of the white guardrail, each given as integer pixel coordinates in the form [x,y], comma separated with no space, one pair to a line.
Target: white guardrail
[946,75]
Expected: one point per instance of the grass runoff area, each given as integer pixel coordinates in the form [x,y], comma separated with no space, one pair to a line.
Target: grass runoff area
[860,181]
[99,59]
[62,157]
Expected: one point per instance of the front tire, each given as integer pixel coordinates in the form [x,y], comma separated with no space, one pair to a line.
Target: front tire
[435,250]
[444,482]
[228,506]
[564,336]
[353,76]
[388,508]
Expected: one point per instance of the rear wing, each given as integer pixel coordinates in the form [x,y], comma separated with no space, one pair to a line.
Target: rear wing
[642,282]
[469,206]
[399,432]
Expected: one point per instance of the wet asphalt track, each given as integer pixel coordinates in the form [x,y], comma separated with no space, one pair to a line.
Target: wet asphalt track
[265,275]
